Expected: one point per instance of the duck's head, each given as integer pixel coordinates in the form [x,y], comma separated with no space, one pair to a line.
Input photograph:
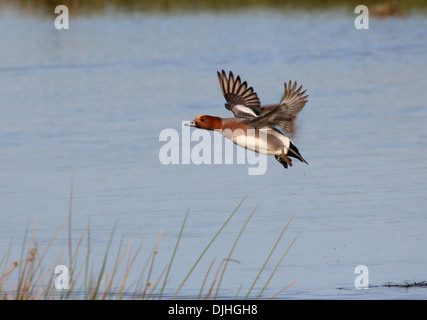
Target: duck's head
[206,122]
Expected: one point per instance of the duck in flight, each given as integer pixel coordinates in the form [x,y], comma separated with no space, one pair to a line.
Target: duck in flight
[257,128]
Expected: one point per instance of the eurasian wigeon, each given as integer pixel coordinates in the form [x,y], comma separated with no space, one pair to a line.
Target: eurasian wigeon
[254,127]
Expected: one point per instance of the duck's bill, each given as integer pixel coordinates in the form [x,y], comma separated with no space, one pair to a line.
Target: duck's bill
[191,124]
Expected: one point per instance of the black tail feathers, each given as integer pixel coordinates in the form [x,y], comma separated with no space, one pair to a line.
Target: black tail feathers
[294,152]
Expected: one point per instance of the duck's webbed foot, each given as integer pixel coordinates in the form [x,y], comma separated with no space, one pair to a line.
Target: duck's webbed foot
[284,160]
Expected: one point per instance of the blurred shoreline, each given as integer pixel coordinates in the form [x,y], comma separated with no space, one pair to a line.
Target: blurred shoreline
[377,8]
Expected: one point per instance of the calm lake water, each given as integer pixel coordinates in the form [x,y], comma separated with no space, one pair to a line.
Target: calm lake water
[90,103]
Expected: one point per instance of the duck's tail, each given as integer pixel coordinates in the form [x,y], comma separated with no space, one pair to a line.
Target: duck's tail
[294,152]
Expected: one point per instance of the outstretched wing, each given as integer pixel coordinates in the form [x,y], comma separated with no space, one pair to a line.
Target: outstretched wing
[292,102]
[241,100]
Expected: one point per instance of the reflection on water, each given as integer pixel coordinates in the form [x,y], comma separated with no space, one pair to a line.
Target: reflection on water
[92,100]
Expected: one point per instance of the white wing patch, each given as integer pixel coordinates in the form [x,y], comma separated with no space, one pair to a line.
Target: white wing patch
[242,111]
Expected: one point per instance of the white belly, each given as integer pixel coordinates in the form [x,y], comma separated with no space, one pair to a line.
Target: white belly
[266,141]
